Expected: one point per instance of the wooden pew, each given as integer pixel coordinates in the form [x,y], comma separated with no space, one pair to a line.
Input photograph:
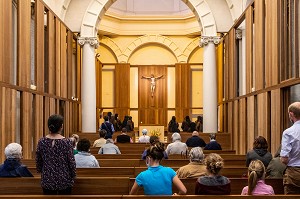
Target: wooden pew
[82,186]
[150,197]
[237,184]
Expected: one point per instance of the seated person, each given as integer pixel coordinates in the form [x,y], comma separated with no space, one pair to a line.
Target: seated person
[153,140]
[275,167]
[157,179]
[196,167]
[83,158]
[109,148]
[213,144]
[177,147]
[259,152]
[74,144]
[144,138]
[12,166]
[186,124]
[256,183]
[101,141]
[123,137]
[195,140]
[213,183]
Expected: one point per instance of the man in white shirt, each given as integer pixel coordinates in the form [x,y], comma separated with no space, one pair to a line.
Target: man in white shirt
[290,151]
[144,138]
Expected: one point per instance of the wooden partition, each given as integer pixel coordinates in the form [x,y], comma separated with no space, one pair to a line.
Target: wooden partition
[272,64]
[34,88]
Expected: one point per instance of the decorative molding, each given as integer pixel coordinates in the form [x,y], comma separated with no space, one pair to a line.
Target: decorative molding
[206,39]
[93,41]
[238,34]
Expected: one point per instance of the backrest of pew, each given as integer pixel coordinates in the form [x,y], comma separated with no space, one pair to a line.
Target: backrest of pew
[150,197]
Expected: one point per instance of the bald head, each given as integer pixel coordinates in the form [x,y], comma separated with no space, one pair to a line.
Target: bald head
[294,110]
[195,133]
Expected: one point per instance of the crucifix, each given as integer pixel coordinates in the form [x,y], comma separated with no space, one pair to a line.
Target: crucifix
[152,79]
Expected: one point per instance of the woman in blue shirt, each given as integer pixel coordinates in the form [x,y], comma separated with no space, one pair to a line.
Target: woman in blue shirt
[157,180]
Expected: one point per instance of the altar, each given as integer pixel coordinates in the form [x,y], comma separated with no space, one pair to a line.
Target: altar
[156,130]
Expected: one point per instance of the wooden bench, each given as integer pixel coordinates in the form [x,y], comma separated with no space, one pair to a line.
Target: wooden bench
[111,186]
[151,197]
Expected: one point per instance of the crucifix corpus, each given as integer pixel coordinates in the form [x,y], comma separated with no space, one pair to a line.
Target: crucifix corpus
[152,79]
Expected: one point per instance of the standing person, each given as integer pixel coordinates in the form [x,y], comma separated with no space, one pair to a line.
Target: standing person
[259,152]
[173,125]
[55,160]
[213,183]
[290,151]
[12,166]
[108,127]
[84,159]
[186,124]
[157,180]
[144,138]
[256,180]
[195,168]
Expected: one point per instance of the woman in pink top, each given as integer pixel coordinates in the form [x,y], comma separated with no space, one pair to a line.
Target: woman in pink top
[256,183]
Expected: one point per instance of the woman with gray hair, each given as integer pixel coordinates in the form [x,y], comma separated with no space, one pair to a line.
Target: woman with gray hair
[196,167]
[177,147]
[12,166]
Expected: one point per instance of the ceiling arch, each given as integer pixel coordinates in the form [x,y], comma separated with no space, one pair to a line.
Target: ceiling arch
[97,8]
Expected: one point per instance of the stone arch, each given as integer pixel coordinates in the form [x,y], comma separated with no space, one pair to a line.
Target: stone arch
[190,48]
[112,45]
[140,41]
[97,9]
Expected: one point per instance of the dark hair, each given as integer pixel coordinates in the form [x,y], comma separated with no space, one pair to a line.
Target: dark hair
[212,136]
[124,130]
[102,133]
[153,139]
[105,118]
[173,119]
[187,118]
[55,123]
[156,152]
[260,143]
[83,145]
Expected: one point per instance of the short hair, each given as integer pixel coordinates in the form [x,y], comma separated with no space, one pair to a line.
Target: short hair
[55,123]
[13,151]
[83,145]
[153,139]
[196,154]
[214,163]
[105,118]
[73,141]
[109,140]
[256,172]
[144,131]
[195,133]
[102,133]
[212,136]
[156,151]
[176,136]
[260,143]
[295,109]
[75,136]
[124,130]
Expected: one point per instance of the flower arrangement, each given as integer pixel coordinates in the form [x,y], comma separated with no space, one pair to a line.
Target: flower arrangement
[155,132]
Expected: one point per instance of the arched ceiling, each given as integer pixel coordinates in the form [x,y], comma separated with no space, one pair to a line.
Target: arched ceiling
[85,15]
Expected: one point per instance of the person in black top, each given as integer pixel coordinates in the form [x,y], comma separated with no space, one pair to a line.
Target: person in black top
[106,125]
[186,124]
[195,140]
[123,138]
[173,125]
[213,144]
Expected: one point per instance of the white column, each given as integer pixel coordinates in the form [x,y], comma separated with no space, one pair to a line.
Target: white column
[88,84]
[210,104]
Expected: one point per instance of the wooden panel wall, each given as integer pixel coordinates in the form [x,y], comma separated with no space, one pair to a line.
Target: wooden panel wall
[272,47]
[26,123]
[70,68]
[6,44]
[152,110]
[51,53]
[235,125]
[232,65]
[259,44]
[24,43]
[122,89]
[249,49]
[183,91]
[226,67]
[58,61]
[242,131]
[276,120]
[39,45]
[2,15]
[250,122]
[263,115]
[63,61]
